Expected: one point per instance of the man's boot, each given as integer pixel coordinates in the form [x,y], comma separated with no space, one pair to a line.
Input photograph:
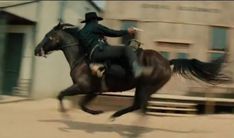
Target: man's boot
[139,70]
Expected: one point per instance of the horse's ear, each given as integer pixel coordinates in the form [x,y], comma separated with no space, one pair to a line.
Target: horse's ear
[60,21]
[58,26]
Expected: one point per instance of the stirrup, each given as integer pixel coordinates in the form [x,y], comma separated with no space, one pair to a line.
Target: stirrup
[134,44]
[140,71]
[97,69]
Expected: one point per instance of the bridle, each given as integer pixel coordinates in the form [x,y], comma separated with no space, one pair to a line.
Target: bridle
[63,46]
[72,44]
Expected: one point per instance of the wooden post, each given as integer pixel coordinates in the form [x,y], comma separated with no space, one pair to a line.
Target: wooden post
[209,105]
[61,10]
[2,50]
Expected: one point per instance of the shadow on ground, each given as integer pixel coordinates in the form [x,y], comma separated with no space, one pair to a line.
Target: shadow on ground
[15,101]
[129,131]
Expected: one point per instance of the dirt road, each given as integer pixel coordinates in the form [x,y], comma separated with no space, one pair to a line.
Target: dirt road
[40,119]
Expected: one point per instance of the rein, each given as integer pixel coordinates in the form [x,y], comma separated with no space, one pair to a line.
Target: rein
[79,60]
[68,45]
[62,47]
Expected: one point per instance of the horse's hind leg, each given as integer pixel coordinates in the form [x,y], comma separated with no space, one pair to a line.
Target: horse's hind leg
[86,100]
[148,91]
[70,91]
[141,98]
[137,102]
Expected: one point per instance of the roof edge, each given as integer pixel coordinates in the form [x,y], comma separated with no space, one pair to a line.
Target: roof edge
[19,4]
[6,13]
[95,5]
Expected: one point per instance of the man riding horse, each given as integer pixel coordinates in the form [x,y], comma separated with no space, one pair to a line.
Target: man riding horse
[84,82]
[92,37]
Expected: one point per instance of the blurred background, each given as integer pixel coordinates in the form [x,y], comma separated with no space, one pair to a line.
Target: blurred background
[177,29]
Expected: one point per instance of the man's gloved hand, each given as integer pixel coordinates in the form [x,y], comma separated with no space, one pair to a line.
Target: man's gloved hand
[131,31]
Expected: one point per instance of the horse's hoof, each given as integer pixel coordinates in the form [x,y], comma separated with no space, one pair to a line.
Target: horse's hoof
[96,112]
[93,112]
[60,97]
[62,110]
[99,112]
[115,115]
[112,119]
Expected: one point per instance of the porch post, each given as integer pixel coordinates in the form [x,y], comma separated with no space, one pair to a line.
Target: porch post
[2,50]
[61,10]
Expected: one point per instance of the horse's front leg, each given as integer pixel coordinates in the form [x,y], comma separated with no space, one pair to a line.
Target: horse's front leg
[86,100]
[70,91]
[74,90]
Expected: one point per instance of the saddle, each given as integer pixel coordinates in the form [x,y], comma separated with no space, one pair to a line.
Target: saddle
[114,69]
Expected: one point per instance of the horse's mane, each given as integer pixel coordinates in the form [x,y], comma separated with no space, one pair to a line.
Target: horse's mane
[69,28]
[72,30]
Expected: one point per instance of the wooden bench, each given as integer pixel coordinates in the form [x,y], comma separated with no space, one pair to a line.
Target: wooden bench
[205,104]
[171,108]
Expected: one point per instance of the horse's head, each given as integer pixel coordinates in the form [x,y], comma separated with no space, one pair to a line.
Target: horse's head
[55,39]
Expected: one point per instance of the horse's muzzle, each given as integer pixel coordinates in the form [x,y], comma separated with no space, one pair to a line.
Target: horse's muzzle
[39,51]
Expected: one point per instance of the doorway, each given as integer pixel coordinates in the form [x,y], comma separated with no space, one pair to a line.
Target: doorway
[12,61]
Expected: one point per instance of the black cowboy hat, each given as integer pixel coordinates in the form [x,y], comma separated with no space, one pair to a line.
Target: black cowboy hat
[91,16]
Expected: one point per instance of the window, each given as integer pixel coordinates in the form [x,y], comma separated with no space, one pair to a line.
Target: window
[219,38]
[182,55]
[216,55]
[172,50]
[219,42]
[165,54]
[125,25]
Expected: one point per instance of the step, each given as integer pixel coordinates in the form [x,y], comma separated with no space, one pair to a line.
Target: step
[21,89]
[11,99]
[173,104]
[191,98]
[169,114]
[154,108]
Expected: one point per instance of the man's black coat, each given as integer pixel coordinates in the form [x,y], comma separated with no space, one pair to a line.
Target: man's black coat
[92,32]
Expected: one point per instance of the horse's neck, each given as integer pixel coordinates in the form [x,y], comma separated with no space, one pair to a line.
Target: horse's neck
[71,49]
[72,55]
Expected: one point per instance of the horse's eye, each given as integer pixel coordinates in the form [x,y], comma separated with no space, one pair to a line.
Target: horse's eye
[51,38]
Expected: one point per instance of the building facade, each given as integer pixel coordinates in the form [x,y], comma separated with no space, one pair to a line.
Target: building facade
[180,29]
[177,29]
[23,25]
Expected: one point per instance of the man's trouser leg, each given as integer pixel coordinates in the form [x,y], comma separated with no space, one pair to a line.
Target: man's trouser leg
[133,62]
[112,53]
[118,52]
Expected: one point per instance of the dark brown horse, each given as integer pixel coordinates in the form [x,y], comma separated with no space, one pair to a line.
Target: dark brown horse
[60,38]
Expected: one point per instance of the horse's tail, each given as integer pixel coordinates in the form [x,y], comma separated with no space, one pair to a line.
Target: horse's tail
[209,72]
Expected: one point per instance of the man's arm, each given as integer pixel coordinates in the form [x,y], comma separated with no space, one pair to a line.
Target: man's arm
[110,32]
